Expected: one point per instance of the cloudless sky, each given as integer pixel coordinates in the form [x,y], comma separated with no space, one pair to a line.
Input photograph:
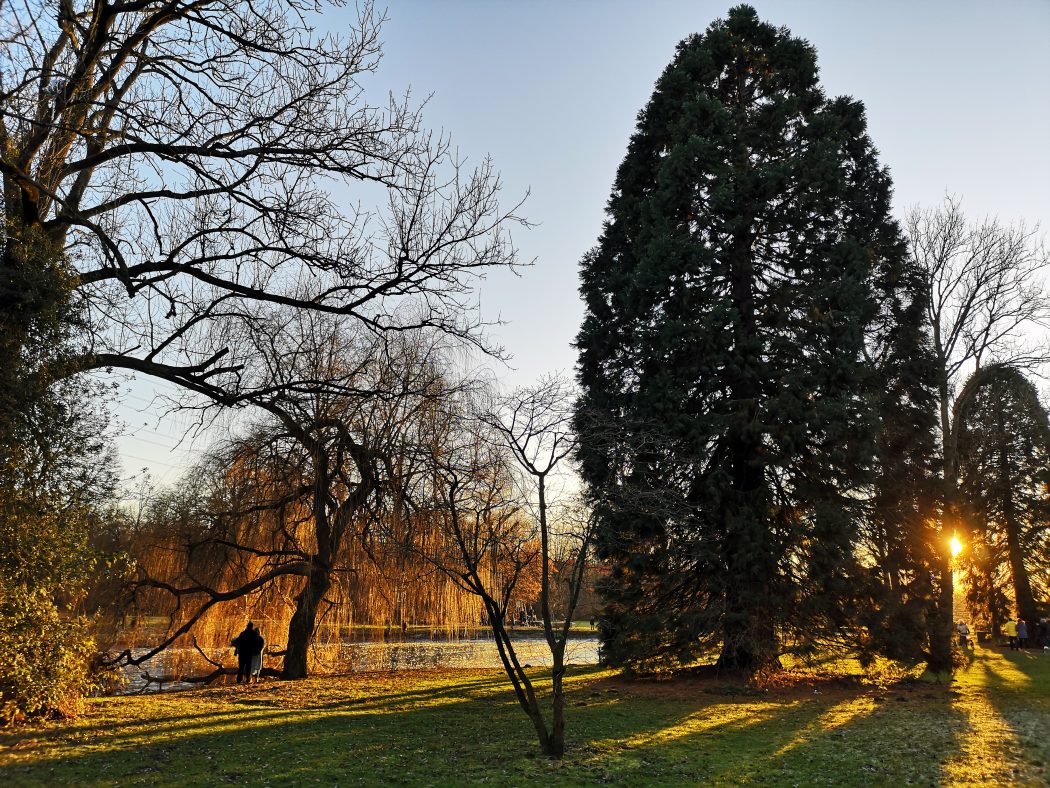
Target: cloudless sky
[957,97]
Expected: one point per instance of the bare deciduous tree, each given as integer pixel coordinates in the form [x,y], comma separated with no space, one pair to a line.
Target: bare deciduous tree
[491,464]
[190,163]
[988,308]
[320,465]
[187,159]
[536,425]
[989,301]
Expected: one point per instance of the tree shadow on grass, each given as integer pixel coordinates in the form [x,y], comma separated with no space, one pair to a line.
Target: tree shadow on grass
[248,708]
[840,734]
[901,735]
[470,730]
[715,741]
[370,742]
[1005,697]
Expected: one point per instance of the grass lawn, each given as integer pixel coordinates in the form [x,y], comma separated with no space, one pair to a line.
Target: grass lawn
[991,725]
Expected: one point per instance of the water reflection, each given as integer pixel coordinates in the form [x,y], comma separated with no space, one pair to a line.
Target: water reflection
[411,652]
[472,653]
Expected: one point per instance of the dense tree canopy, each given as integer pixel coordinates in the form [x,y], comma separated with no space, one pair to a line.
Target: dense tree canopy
[1004,452]
[898,605]
[57,482]
[728,303]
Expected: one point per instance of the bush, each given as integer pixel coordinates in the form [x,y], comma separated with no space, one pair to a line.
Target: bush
[56,490]
[44,655]
[57,484]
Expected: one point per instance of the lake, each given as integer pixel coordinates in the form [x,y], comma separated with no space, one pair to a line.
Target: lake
[371,651]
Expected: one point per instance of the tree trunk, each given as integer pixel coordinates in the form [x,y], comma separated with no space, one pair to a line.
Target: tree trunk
[522,686]
[1023,595]
[939,625]
[749,646]
[301,627]
[557,736]
[749,640]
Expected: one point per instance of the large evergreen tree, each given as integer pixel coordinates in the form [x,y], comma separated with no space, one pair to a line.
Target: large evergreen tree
[899,536]
[726,410]
[1004,465]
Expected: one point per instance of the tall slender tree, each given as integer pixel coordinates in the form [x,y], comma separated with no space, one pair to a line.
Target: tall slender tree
[728,300]
[901,531]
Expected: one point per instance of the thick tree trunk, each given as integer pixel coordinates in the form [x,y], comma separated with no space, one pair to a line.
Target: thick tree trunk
[939,625]
[749,640]
[1023,595]
[301,627]
[749,645]
[940,628]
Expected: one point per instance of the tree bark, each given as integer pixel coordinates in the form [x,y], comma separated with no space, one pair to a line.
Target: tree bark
[1023,596]
[939,624]
[301,626]
[749,641]
[557,736]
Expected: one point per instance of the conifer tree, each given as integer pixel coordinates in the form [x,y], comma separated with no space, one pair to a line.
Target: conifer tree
[901,527]
[1004,452]
[726,412]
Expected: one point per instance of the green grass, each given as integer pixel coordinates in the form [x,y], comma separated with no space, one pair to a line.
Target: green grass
[991,725]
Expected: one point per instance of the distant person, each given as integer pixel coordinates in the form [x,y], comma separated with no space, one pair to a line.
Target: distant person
[964,634]
[1022,633]
[1011,632]
[257,660]
[247,645]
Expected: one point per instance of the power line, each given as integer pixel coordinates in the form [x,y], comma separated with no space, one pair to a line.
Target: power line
[153,462]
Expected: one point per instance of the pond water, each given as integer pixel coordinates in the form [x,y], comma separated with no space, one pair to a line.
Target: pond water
[413,652]
[467,653]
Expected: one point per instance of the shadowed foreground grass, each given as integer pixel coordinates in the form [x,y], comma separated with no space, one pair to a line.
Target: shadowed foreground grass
[992,725]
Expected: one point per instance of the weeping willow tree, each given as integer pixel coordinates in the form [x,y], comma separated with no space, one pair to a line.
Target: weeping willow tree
[301,525]
[235,524]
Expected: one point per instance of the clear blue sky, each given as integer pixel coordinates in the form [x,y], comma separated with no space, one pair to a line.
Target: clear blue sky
[957,94]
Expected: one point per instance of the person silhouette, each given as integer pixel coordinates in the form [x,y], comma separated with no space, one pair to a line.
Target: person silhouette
[964,635]
[247,646]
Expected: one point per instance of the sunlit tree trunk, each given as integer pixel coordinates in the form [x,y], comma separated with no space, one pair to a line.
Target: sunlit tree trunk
[304,621]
